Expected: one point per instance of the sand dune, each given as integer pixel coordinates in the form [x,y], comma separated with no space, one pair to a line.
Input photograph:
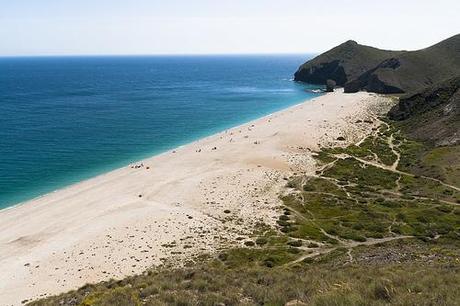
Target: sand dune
[197,198]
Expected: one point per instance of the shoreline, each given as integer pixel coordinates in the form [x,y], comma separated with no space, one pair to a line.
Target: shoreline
[194,199]
[152,155]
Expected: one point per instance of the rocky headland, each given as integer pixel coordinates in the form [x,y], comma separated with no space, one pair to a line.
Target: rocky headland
[357,67]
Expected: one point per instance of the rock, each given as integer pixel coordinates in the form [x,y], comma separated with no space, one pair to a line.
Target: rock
[330,85]
[352,86]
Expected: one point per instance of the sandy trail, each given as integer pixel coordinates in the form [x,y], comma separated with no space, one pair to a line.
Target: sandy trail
[198,198]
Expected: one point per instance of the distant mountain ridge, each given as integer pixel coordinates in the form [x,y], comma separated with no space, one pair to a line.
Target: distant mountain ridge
[357,67]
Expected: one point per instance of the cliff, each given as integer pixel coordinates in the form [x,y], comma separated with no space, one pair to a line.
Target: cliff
[357,67]
[432,114]
[342,64]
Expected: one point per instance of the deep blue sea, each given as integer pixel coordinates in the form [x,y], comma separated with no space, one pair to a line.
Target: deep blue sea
[65,119]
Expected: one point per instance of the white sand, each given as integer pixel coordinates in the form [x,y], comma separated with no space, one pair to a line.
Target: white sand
[101,228]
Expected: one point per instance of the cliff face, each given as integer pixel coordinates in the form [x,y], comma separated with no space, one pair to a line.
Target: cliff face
[433,114]
[343,63]
[357,67]
[376,79]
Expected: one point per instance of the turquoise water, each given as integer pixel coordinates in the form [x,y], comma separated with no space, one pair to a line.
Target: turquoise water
[65,119]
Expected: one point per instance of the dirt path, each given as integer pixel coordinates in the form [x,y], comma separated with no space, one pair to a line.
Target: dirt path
[390,168]
[396,153]
[348,245]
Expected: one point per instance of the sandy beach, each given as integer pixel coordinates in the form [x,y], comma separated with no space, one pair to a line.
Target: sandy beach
[198,198]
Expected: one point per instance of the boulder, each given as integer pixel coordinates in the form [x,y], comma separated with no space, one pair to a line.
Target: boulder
[330,85]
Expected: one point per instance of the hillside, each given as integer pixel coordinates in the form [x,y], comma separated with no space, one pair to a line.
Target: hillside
[342,64]
[433,114]
[358,67]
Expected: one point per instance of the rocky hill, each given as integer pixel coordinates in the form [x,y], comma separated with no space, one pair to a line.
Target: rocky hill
[433,114]
[357,67]
[342,64]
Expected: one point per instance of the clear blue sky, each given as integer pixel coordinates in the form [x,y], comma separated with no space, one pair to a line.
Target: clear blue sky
[49,27]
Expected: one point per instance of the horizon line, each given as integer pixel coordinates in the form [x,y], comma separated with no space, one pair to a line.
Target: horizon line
[155,54]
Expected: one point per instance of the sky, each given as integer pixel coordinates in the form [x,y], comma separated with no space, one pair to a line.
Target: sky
[115,27]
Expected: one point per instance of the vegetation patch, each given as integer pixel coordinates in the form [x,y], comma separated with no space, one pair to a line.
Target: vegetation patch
[391,273]
[353,171]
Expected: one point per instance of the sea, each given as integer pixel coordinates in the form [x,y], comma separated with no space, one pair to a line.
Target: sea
[67,119]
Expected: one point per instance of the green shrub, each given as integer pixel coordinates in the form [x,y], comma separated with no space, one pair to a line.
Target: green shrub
[249,243]
[295,243]
[120,296]
[261,241]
